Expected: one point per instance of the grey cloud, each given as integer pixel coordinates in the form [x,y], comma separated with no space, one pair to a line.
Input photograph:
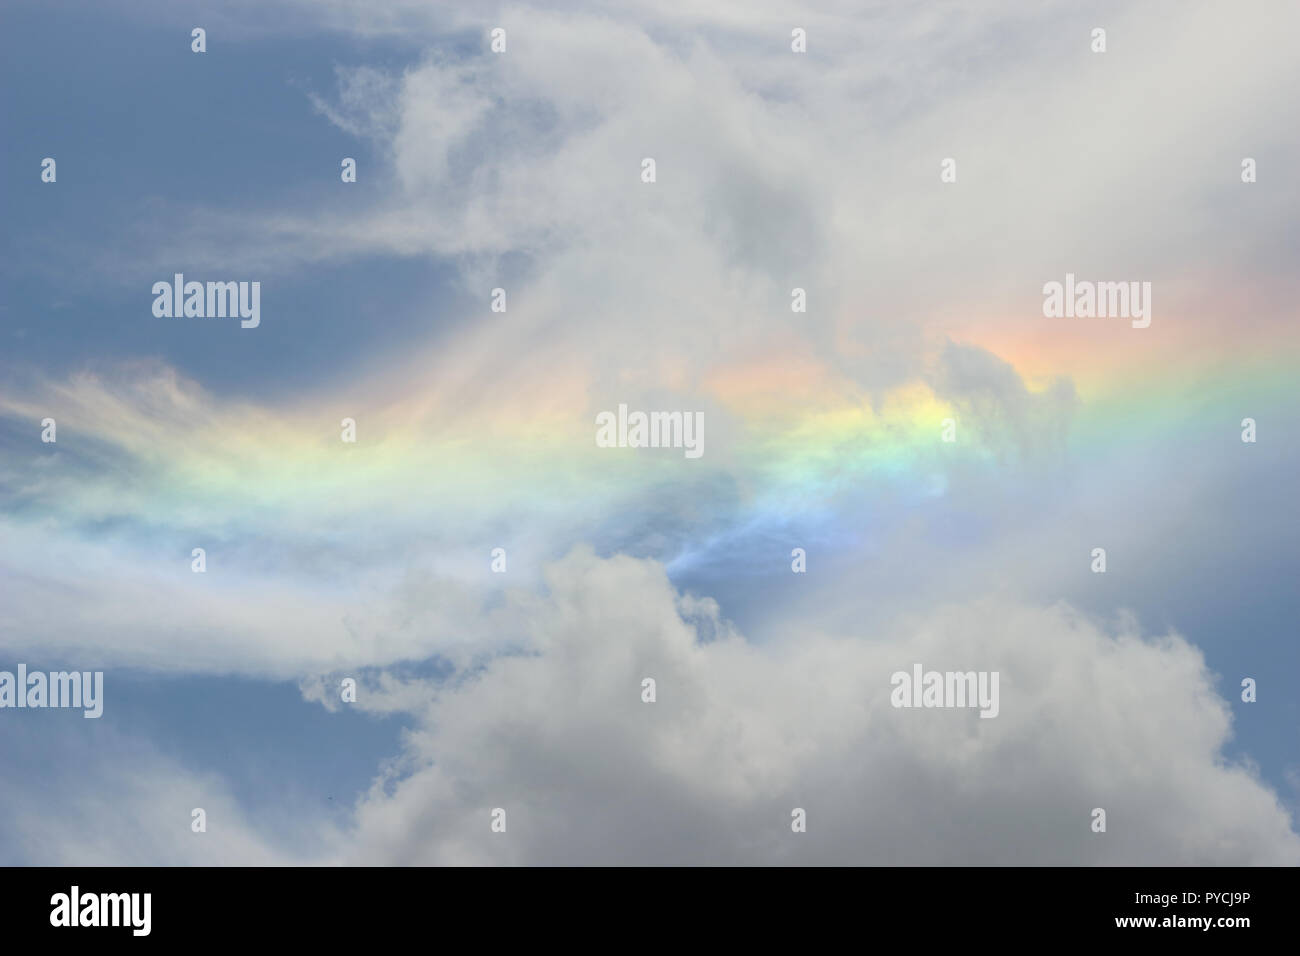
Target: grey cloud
[740,735]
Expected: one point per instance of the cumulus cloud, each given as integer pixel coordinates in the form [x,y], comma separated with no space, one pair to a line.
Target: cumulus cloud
[740,735]
[557,735]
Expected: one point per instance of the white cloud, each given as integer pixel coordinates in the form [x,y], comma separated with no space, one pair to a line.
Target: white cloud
[558,736]
[778,170]
[740,735]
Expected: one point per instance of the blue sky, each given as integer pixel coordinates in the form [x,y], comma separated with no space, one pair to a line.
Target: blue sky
[520,170]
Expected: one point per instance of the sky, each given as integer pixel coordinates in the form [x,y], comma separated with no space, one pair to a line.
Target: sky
[520,687]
